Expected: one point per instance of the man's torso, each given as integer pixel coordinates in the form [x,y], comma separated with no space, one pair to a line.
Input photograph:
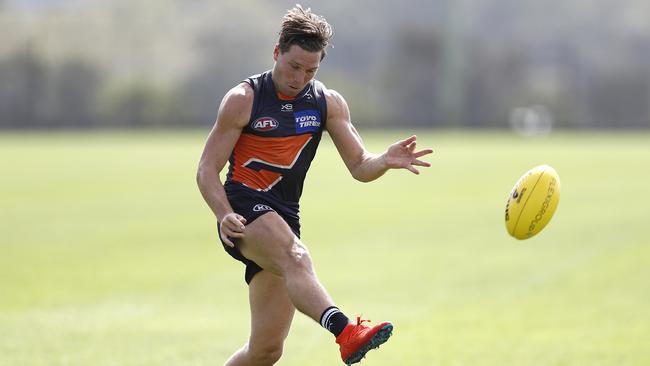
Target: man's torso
[275,149]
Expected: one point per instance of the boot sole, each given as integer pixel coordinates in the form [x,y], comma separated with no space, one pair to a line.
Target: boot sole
[378,339]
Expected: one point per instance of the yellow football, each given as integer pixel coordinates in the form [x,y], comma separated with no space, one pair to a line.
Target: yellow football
[532,202]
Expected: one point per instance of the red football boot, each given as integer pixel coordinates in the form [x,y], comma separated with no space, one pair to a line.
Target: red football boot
[357,339]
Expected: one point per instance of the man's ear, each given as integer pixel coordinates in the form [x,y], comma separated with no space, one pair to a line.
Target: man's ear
[276,52]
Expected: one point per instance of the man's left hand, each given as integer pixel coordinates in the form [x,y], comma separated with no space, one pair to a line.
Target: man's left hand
[402,154]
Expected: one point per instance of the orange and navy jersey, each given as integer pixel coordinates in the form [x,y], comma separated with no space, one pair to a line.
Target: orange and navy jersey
[277,146]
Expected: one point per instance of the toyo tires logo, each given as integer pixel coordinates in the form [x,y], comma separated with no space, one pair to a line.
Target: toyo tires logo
[307,121]
[264,124]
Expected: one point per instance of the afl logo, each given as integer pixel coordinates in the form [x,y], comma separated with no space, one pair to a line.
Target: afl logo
[264,124]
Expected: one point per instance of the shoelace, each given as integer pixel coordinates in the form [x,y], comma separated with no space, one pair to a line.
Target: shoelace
[360,321]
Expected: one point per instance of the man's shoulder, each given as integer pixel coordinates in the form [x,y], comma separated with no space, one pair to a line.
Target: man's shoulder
[334,99]
[237,104]
[240,95]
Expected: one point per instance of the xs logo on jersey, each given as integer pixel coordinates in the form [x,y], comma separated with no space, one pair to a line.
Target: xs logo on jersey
[260,207]
[288,107]
[263,124]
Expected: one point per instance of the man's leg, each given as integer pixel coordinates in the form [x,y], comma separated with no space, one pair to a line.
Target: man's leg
[271,244]
[271,315]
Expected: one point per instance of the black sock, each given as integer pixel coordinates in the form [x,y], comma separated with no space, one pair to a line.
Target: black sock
[334,320]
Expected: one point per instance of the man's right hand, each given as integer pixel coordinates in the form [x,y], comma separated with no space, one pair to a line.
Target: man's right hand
[232,226]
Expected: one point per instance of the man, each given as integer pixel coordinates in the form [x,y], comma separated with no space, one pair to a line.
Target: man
[268,128]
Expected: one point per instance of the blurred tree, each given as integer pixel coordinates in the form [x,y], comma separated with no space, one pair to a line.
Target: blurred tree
[140,103]
[33,94]
[228,51]
[72,95]
[452,94]
[23,76]
[619,99]
[412,77]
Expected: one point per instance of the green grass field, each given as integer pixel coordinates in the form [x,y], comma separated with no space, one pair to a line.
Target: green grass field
[110,257]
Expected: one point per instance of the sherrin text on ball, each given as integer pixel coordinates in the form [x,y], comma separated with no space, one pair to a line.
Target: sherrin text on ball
[532,202]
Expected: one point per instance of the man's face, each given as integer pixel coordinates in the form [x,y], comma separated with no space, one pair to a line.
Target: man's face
[294,69]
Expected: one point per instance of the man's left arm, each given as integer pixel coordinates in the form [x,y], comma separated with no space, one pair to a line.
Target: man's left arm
[362,164]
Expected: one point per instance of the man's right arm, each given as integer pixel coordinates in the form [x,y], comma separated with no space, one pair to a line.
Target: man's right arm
[234,113]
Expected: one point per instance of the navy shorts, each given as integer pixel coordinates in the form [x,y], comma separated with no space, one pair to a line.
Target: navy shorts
[252,204]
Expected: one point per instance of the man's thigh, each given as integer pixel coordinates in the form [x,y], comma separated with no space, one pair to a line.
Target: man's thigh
[269,241]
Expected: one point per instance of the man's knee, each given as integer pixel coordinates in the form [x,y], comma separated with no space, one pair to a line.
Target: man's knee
[291,256]
[297,257]
[265,355]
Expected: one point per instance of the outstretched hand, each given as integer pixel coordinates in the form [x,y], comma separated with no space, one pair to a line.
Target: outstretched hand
[402,154]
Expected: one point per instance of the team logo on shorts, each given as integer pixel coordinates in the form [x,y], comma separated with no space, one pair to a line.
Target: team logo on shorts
[260,207]
[264,124]
[307,121]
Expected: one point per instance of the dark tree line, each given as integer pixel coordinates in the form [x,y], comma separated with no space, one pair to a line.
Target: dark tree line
[448,64]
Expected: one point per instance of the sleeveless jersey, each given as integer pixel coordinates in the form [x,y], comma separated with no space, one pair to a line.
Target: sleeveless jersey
[275,149]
